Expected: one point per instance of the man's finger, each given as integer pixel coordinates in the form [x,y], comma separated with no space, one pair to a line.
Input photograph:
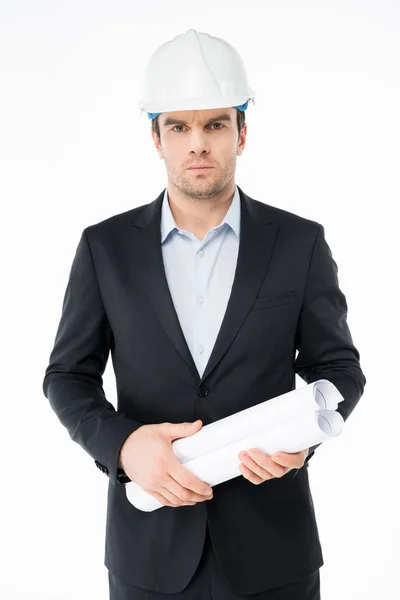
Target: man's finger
[293,460]
[251,476]
[262,464]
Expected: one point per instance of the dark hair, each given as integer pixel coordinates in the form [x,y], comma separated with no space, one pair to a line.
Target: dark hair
[240,121]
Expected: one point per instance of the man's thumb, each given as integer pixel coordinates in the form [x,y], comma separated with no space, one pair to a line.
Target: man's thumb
[190,423]
[180,429]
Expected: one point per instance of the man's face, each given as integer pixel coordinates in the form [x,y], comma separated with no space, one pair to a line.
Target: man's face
[200,137]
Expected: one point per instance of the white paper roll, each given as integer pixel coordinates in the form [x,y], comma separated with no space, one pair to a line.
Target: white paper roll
[267,414]
[291,422]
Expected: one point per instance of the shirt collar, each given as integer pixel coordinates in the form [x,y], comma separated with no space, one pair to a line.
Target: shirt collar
[232,217]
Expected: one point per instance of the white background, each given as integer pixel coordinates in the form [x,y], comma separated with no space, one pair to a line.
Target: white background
[322,142]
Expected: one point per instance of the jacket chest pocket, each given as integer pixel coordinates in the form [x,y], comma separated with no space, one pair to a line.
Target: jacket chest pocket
[280,299]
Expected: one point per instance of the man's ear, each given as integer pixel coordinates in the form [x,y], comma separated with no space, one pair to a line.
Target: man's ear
[242,140]
[157,144]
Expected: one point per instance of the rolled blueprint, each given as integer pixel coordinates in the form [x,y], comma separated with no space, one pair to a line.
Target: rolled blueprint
[291,422]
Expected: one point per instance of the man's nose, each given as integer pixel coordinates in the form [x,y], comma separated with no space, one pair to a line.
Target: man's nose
[198,142]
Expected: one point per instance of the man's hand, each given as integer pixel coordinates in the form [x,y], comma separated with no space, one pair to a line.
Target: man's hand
[148,459]
[259,467]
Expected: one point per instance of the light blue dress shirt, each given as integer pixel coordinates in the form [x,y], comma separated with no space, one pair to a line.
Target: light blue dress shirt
[200,275]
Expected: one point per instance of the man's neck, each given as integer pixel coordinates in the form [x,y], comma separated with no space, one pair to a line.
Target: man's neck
[200,215]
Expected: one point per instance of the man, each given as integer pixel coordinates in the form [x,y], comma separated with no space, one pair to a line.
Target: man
[203,297]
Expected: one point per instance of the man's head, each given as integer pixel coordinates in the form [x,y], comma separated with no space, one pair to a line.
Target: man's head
[212,137]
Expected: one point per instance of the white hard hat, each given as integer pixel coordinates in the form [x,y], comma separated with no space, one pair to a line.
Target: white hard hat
[195,71]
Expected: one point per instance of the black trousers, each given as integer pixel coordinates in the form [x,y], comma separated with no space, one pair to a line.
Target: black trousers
[209,583]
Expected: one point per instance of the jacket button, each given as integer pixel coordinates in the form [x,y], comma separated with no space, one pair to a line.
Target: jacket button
[101,467]
[203,391]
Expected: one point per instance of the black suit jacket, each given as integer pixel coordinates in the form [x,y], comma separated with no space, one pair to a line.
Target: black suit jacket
[285,297]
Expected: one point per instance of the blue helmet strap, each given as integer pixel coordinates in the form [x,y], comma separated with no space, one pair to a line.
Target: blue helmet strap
[242,107]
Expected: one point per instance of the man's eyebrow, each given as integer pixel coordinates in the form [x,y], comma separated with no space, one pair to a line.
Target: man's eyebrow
[174,121]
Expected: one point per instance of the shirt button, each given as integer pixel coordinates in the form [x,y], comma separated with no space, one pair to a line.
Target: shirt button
[200,299]
[201,252]
[201,349]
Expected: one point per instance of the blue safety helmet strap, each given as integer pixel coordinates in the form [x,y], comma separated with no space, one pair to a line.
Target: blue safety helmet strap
[242,107]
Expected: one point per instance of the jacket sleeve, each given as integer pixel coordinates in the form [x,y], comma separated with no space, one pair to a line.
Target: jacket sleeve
[323,338]
[73,379]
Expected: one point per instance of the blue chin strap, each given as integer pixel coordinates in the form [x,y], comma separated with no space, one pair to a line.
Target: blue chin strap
[242,107]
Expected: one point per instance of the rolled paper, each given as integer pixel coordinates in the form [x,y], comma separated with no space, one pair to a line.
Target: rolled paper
[269,413]
[291,422]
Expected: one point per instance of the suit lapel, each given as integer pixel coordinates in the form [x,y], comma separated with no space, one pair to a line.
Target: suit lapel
[258,233]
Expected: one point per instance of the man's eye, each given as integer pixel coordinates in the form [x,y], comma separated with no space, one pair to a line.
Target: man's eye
[215,123]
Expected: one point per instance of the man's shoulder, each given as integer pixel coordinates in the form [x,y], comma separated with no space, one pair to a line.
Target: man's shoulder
[285,218]
[291,221]
[116,222]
